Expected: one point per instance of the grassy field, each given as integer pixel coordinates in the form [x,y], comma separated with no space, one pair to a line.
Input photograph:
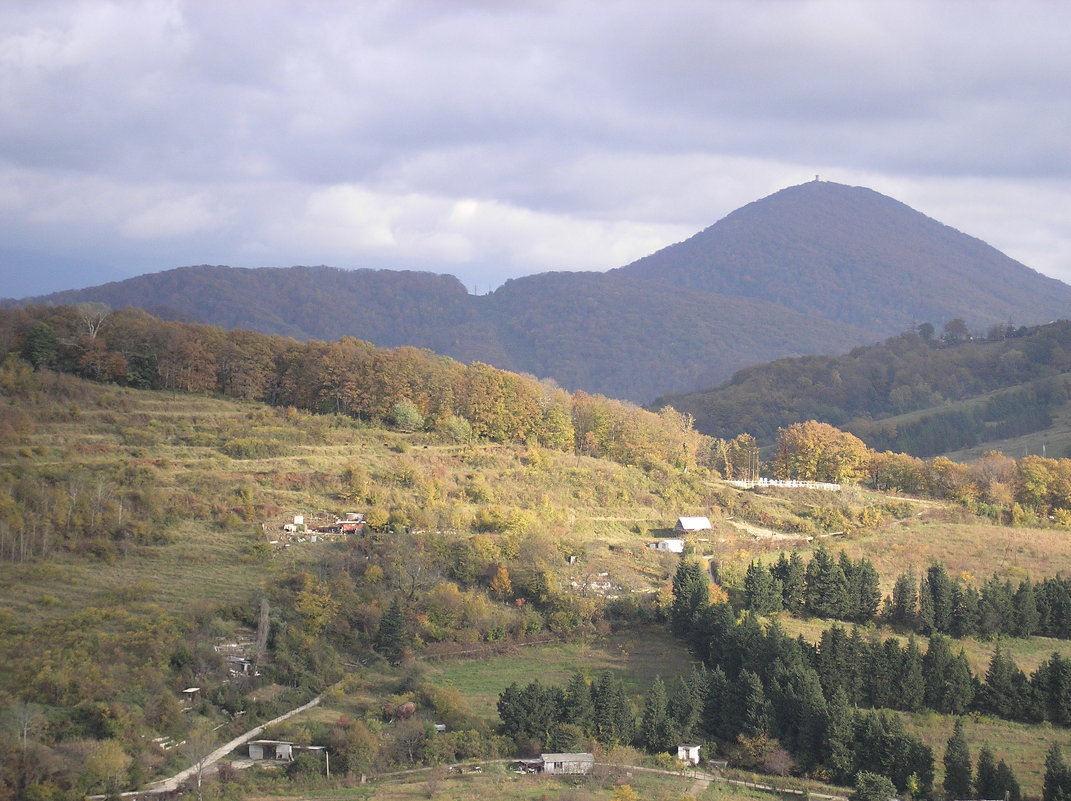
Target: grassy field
[499,784]
[1022,746]
[1028,653]
[635,655]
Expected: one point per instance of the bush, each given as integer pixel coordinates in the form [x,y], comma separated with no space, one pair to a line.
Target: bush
[252,448]
[873,787]
[406,416]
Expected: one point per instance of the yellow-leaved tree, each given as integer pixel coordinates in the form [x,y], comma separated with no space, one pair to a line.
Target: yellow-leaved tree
[814,451]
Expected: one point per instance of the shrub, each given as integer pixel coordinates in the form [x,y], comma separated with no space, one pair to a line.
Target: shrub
[252,448]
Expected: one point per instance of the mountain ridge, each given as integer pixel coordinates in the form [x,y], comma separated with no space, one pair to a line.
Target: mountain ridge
[815,268]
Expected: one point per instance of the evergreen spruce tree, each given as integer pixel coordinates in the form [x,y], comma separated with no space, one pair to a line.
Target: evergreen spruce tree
[840,738]
[937,590]
[957,761]
[935,667]
[717,720]
[884,666]
[794,584]
[827,588]
[905,605]
[686,704]
[926,618]
[833,656]
[996,612]
[812,718]
[985,777]
[1057,786]
[656,732]
[1007,784]
[1027,617]
[964,613]
[959,686]
[624,718]
[762,591]
[691,594]
[998,694]
[579,709]
[752,704]
[614,720]
[390,634]
[866,592]
[1052,686]
[912,696]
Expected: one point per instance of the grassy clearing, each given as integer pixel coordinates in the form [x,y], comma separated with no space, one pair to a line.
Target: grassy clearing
[1027,653]
[1054,441]
[498,784]
[964,547]
[636,655]
[1022,746]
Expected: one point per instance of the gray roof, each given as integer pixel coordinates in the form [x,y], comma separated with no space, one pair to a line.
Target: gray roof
[567,757]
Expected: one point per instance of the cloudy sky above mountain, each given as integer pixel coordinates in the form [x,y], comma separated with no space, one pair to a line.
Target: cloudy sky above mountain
[491,139]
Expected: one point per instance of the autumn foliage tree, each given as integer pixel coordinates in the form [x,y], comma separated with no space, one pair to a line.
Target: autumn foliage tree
[814,451]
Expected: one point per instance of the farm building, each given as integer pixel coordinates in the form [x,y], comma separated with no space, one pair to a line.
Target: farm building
[567,763]
[271,749]
[688,752]
[693,524]
[670,545]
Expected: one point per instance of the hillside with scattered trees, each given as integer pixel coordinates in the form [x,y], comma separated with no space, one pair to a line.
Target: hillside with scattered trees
[155,473]
[916,393]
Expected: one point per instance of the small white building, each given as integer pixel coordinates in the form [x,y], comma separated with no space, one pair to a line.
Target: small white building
[688,752]
[693,524]
[567,763]
[669,546]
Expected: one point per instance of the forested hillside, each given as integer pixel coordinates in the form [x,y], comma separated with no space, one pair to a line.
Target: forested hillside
[901,395]
[816,268]
[851,254]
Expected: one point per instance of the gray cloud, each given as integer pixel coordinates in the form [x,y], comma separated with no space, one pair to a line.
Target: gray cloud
[497,139]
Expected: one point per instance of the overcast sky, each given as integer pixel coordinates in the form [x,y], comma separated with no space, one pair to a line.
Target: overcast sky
[491,139]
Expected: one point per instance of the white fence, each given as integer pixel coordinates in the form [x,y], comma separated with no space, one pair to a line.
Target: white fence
[771,482]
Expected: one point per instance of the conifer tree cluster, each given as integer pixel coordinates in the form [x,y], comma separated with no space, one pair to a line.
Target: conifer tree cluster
[812,698]
[567,718]
[993,780]
[846,589]
[826,587]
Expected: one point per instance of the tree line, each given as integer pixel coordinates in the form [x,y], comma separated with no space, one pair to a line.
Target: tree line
[1033,489]
[936,603]
[411,388]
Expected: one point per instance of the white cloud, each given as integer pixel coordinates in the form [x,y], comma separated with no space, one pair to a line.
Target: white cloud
[174,216]
[496,139]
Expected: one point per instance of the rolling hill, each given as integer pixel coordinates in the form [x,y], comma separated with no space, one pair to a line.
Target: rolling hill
[811,269]
[1008,391]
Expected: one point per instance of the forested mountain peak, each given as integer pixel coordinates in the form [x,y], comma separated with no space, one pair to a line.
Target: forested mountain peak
[852,254]
[815,268]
